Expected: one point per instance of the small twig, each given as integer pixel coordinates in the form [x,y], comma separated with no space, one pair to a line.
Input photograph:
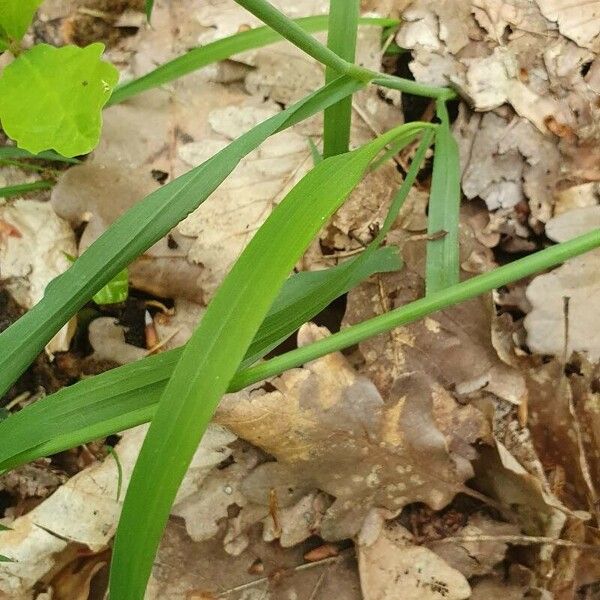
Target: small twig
[303,567]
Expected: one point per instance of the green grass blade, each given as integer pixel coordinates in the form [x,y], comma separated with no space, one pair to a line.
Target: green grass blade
[341,39]
[127,396]
[214,353]
[10,152]
[199,58]
[443,260]
[24,188]
[149,8]
[441,300]
[292,32]
[138,229]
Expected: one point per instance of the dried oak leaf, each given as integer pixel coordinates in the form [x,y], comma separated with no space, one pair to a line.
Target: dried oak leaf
[579,21]
[392,567]
[330,429]
[453,349]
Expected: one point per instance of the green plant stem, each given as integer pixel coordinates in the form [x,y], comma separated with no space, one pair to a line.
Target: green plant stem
[443,220]
[341,39]
[419,309]
[293,33]
[222,49]
[408,86]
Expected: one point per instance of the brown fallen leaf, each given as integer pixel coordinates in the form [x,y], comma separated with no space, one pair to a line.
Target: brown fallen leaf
[453,348]
[392,567]
[184,568]
[330,429]
[475,557]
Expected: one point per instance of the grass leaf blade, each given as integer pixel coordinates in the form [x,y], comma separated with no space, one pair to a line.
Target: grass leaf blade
[213,354]
[127,396]
[443,260]
[138,229]
[24,188]
[342,36]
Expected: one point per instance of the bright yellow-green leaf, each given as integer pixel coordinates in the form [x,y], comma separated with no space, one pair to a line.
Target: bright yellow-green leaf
[15,17]
[115,291]
[52,98]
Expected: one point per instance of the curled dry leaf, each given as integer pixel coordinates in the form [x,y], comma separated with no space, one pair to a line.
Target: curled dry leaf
[537,87]
[392,567]
[33,253]
[330,429]
[580,22]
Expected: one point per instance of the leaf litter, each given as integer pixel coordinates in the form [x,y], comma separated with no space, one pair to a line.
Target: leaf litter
[452,458]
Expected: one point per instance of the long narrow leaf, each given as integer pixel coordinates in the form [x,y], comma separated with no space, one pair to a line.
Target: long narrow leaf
[443,262]
[214,353]
[343,30]
[24,188]
[227,47]
[124,397]
[128,396]
[138,229]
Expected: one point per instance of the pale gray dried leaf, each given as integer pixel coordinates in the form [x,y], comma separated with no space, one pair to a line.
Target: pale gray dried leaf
[330,429]
[86,509]
[579,281]
[203,505]
[579,21]
[33,253]
[392,567]
[107,338]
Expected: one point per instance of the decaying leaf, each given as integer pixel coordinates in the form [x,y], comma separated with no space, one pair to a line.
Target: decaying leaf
[452,349]
[86,509]
[330,429]
[33,253]
[204,571]
[392,567]
[580,22]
